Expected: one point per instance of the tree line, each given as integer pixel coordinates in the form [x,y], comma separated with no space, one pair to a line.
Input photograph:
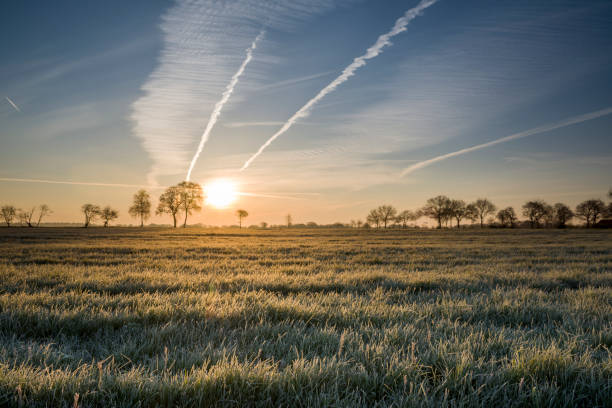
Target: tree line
[186,197]
[445,211]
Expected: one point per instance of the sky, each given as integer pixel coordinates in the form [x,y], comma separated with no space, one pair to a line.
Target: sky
[119,94]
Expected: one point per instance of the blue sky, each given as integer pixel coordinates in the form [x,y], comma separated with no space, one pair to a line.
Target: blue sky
[120,92]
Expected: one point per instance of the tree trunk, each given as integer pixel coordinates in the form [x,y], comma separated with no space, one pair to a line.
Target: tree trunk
[240,222]
[141,220]
[174,219]
[185,222]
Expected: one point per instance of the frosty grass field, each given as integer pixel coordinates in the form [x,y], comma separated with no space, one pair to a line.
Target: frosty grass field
[313,317]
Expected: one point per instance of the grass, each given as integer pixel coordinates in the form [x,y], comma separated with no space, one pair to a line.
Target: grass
[196,317]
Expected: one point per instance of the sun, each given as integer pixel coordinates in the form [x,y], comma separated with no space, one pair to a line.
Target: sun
[220,193]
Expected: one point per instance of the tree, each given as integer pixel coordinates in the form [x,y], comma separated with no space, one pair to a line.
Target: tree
[590,211]
[191,198]
[108,214]
[460,210]
[25,216]
[507,217]
[483,207]
[289,220]
[534,211]
[263,225]
[141,206]
[8,213]
[562,214]
[549,215]
[387,214]
[241,214]
[374,218]
[437,208]
[43,211]
[169,203]
[91,212]
[404,217]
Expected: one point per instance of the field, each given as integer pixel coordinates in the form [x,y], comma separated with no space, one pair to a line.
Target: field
[197,317]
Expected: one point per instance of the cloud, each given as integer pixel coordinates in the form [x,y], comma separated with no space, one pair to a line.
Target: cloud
[214,116]
[13,104]
[204,43]
[526,133]
[372,52]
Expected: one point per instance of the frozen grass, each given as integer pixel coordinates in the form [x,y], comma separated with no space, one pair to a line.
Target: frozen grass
[196,317]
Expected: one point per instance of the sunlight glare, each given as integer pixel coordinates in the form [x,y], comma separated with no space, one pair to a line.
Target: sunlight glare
[220,193]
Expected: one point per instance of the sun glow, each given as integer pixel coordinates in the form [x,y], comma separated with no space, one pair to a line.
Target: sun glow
[220,193]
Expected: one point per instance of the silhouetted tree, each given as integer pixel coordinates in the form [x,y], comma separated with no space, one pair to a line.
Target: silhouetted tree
[590,211]
[459,210]
[507,217]
[534,211]
[483,208]
[549,215]
[91,212]
[263,225]
[359,223]
[191,197]
[404,217]
[108,214]
[170,203]
[374,217]
[437,208]
[289,220]
[562,214]
[387,214]
[25,216]
[241,214]
[141,206]
[8,213]
[43,211]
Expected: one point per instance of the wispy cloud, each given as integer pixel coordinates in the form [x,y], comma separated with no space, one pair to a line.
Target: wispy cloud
[214,116]
[531,132]
[13,104]
[372,52]
[204,42]
[74,183]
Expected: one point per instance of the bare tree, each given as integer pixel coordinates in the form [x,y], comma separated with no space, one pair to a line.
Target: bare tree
[170,203]
[108,214]
[534,211]
[191,198]
[404,217]
[289,220]
[91,212]
[459,210]
[141,206]
[507,217]
[241,214]
[359,223]
[43,211]
[483,208]
[549,215]
[374,218]
[562,214]
[437,208]
[25,216]
[8,213]
[590,211]
[387,214]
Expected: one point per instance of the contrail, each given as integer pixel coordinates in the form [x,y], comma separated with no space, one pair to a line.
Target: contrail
[75,183]
[224,98]
[541,129]
[349,71]
[13,104]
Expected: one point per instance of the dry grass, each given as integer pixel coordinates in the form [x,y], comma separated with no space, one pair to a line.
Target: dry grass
[202,317]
